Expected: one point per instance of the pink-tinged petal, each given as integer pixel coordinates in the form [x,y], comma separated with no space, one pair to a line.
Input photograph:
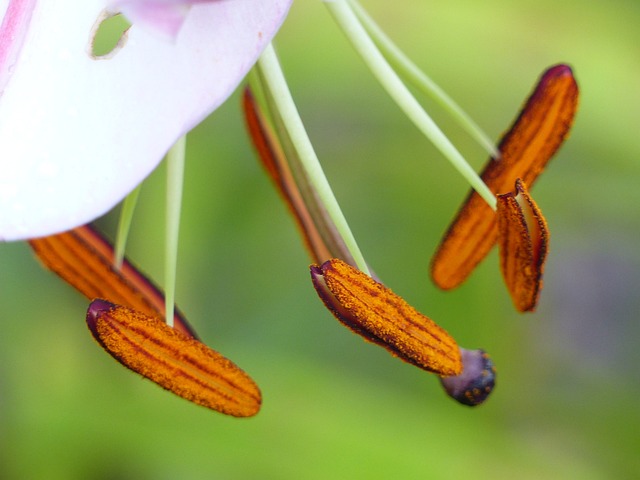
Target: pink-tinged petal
[162,16]
[78,133]
[13,30]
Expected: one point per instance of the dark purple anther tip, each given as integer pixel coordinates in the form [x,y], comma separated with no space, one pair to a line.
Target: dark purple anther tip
[558,70]
[97,307]
[317,277]
[316,271]
[475,383]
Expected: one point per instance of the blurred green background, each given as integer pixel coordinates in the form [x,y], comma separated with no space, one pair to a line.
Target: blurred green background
[566,403]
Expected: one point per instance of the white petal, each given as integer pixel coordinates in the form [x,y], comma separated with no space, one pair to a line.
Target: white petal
[165,17]
[77,133]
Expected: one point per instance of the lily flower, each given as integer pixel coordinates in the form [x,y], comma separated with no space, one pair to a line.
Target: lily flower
[75,140]
[536,135]
[83,146]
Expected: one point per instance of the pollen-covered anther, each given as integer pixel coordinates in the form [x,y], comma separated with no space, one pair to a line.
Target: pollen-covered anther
[523,238]
[525,150]
[84,259]
[172,359]
[380,316]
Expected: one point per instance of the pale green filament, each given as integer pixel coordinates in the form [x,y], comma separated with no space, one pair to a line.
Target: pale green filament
[175,176]
[124,225]
[407,69]
[274,80]
[366,48]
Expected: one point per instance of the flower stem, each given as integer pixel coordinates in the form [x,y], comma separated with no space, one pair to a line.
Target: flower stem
[275,81]
[366,48]
[175,176]
[124,225]
[409,70]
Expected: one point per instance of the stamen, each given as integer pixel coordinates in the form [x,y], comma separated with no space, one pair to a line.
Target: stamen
[84,259]
[536,135]
[276,86]
[175,180]
[409,70]
[320,234]
[173,360]
[124,224]
[523,239]
[398,91]
[380,316]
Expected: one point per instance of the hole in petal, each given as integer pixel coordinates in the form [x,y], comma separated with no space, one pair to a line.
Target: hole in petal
[109,35]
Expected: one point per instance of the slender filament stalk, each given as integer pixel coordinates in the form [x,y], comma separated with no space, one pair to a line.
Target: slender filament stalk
[410,71]
[270,70]
[366,48]
[124,225]
[175,177]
